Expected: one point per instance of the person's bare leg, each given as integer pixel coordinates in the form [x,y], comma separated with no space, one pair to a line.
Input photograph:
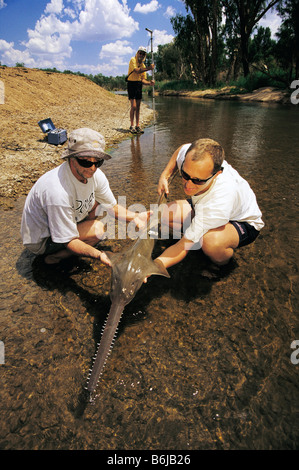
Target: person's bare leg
[219,244]
[90,231]
[176,214]
[133,111]
[137,112]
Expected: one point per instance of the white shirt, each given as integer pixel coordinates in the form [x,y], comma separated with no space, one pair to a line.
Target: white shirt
[57,202]
[229,198]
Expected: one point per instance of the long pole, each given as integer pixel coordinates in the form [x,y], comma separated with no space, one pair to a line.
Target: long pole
[153,73]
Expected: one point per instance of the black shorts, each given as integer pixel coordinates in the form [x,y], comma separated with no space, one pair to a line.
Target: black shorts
[52,247]
[247,233]
[134,90]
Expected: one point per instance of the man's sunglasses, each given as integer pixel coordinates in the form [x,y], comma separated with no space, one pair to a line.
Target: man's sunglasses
[88,164]
[196,181]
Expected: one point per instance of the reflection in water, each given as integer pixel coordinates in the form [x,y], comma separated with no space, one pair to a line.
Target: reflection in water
[248,134]
[136,168]
[200,362]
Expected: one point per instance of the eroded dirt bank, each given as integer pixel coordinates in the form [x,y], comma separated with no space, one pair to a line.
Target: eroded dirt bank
[71,102]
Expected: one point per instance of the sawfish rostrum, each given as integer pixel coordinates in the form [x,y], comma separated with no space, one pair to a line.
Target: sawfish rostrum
[129,269]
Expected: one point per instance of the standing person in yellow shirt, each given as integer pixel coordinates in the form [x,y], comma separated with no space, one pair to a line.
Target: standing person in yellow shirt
[136,78]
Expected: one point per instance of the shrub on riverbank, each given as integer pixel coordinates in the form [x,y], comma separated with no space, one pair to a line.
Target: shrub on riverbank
[257,79]
[247,84]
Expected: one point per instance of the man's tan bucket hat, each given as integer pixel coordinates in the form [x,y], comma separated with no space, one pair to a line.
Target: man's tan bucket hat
[85,142]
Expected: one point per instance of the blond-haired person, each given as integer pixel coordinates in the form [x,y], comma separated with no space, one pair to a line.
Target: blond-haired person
[137,78]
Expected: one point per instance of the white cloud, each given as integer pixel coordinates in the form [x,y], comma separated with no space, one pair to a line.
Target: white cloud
[50,38]
[11,56]
[105,68]
[150,7]
[48,30]
[170,12]
[2,4]
[70,12]
[86,68]
[55,6]
[65,21]
[161,38]
[116,54]
[109,22]
[50,45]
[5,46]
[103,20]
[116,49]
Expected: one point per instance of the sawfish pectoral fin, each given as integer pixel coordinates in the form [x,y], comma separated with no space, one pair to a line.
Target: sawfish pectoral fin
[114,257]
[157,268]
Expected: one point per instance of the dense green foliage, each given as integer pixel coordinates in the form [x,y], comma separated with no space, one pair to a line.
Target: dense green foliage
[219,40]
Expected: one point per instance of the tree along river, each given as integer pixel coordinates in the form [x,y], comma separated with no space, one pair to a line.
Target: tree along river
[200,362]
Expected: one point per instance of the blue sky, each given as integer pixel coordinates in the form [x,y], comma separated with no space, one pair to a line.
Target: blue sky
[90,36]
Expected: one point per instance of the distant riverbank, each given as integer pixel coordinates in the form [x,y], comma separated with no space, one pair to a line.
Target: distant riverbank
[265,94]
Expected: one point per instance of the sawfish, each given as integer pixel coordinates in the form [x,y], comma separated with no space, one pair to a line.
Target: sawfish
[129,270]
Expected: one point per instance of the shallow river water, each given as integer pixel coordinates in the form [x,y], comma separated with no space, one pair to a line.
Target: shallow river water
[200,362]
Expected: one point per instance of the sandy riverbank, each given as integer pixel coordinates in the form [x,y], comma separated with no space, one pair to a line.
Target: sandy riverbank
[71,102]
[264,95]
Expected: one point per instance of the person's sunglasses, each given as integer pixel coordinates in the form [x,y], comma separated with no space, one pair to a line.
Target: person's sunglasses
[142,53]
[88,164]
[196,181]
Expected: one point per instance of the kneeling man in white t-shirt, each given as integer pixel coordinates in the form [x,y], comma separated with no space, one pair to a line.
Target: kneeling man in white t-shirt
[221,212]
[59,216]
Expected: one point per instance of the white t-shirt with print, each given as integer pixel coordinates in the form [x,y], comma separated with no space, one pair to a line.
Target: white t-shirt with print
[229,198]
[57,202]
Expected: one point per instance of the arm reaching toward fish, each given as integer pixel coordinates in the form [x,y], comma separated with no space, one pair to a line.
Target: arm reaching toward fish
[168,173]
[139,218]
[174,254]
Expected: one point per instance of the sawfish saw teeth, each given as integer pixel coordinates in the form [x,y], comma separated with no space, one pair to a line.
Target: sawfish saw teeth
[122,263]
[104,363]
